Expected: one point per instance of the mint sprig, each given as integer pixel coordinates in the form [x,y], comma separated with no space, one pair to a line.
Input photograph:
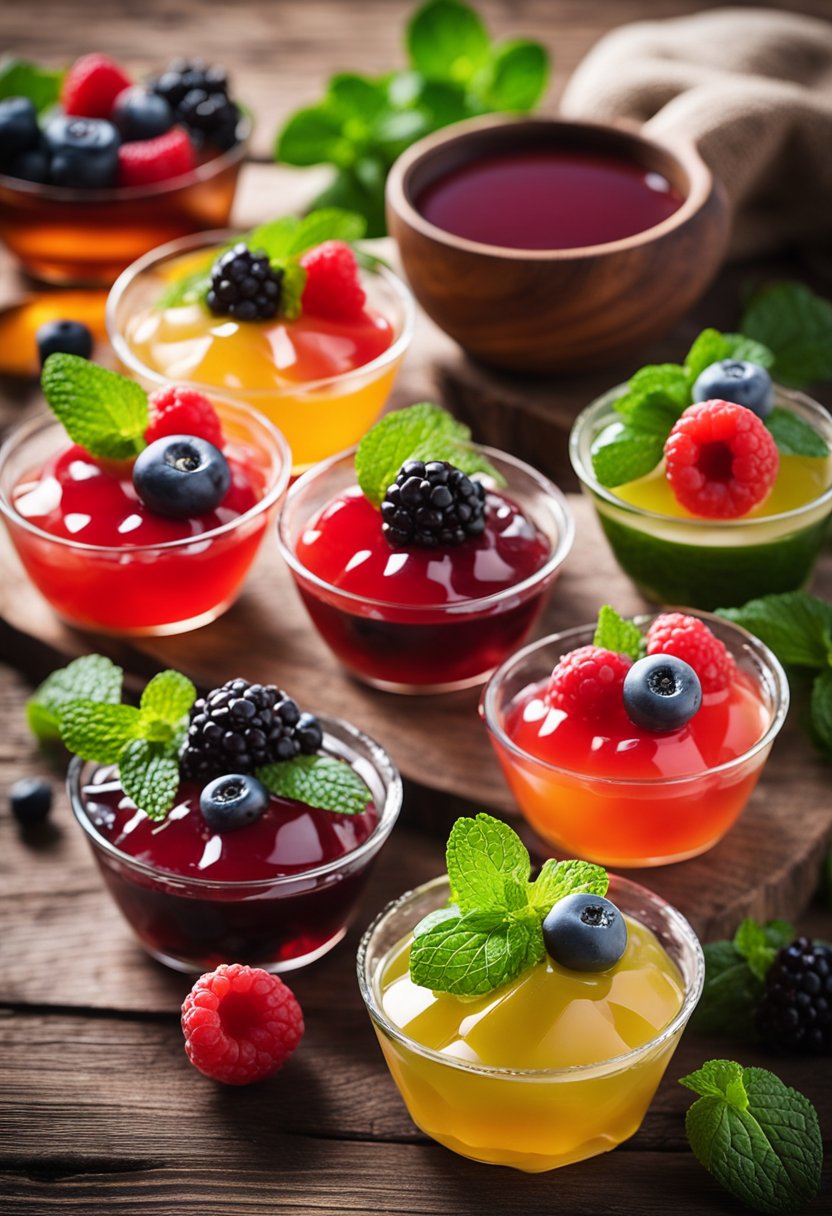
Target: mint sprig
[420,432]
[735,974]
[493,930]
[319,781]
[20,78]
[615,633]
[92,677]
[798,628]
[105,413]
[759,1138]
[796,324]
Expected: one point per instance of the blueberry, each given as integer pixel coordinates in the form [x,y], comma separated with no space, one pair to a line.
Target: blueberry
[63,338]
[84,151]
[661,692]
[734,380]
[30,166]
[141,114]
[18,127]
[30,800]
[233,801]
[585,933]
[181,476]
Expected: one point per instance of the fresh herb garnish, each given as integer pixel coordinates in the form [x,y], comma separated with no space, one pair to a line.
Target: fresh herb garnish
[615,633]
[796,325]
[759,1138]
[363,123]
[105,413]
[798,628]
[20,78]
[420,432]
[92,677]
[492,931]
[319,781]
[735,974]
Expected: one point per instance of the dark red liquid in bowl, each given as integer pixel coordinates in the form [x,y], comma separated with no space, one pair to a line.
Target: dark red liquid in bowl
[554,198]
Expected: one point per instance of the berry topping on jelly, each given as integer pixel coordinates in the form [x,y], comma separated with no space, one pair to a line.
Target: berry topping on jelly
[589,682]
[180,476]
[661,693]
[689,638]
[244,285]
[333,288]
[431,505]
[739,381]
[179,410]
[585,933]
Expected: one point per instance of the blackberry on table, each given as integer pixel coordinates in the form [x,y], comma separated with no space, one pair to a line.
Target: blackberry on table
[795,1011]
[431,504]
[240,726]
[244,286]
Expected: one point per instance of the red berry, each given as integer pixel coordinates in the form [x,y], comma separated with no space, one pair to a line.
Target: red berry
[589,682]
[91,86]
[176,410]
[240,1024]
[332,285]
[720,460]
[690,639]
[142,161]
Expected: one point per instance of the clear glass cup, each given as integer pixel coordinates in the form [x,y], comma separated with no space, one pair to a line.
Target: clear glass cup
[69,236]
[149,589]
[705,563]
[318,417]
[531,1119]
[425,648]
[637,821]
[281,923]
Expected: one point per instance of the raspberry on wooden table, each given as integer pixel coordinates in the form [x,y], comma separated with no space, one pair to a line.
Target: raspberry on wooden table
[589,682]
[690,639]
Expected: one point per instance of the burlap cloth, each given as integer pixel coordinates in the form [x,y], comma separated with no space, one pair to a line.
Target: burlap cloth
[752,88]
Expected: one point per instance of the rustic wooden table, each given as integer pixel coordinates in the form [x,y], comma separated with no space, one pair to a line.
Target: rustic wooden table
[99,1109]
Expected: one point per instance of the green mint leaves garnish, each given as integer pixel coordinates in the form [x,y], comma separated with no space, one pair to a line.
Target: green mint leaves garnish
[362,124]
[420,432]
[319,781]
[734,977]
[19,78]
[284,241]
[657,395]
[105,413]
[796,325]
[798,628]
[759,1138]
[492,932]
[614,633]
[90,678]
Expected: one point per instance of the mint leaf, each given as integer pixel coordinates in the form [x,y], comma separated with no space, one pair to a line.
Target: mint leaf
[319,781]
[614,633]
[795,625]
[291,290]
[796,325]
[326,224]
[420,432]
[488,865]
[658,383]
[97,732]
[557,879]
[437,917]
[622,454]
[750,941]
[759,1138]
[92,677]
[446,40]
[102,411]
[164,708]
[473,954]
[313,136]
[746,349]
[794,436]
[19,78]
[734,975]
[149,774]
[515,76]
[713,347]
[821,711]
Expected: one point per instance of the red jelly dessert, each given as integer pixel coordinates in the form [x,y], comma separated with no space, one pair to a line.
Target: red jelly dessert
[432,613]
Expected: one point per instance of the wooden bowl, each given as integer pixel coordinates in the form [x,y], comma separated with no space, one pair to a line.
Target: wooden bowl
[530,310]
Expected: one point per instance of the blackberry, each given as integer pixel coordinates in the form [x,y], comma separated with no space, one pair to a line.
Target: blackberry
[240,726]
[244,286]
[432,504]
[795,1011]
[198,95]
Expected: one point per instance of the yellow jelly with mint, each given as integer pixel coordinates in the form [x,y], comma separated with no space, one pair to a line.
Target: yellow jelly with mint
[553,1067]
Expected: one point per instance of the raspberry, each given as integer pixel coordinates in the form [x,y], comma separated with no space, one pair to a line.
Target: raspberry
[720,460]
[176,410]
[795,1011]
[332,285]
[240,1024]
[690,639]
[589,682]
[91,86]
[142,161]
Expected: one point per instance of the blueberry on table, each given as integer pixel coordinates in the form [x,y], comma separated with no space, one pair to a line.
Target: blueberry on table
[30,800]
[735,380]
[233,801]
[140,113]
[18,127]
[585,933]
[63,338]
[84,151]
[180,476]
[661,693]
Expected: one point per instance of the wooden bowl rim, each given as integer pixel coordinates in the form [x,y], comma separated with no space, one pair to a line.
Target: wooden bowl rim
[399,203]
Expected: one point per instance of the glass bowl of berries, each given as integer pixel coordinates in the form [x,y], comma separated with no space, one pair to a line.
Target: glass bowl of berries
[713,486]
[550,1050]
[227,828]
[286,317]
[636,743]
[103,169]
[419,577]
[133,515]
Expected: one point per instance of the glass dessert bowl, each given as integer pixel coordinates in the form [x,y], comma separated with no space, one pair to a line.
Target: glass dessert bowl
[551,1067]
[619,793]
[322,381]
[423,620]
